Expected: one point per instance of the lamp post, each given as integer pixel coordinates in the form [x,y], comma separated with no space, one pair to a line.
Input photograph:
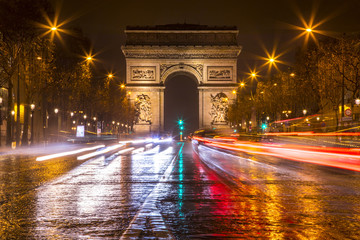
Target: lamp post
[85,117]
[309,31]
[0,118]
[56,110]
[95,124]
[343,78]
[12,127]
[32,107]
[128,120]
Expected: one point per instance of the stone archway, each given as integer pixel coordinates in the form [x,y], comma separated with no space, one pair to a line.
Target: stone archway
[206,54]
[181,101]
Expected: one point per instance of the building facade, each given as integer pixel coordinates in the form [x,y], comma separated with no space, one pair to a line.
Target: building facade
[154,55]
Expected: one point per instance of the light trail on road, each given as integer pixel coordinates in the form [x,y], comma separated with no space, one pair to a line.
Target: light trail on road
[63,154]
[346,158]
[105,150]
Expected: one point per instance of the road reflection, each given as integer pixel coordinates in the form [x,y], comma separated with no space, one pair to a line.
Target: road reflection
[83,201]
[20,175]
[279,199]
[169,191]
[102,197]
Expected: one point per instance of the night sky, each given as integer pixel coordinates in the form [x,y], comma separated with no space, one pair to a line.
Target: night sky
[260,22]
[263,25]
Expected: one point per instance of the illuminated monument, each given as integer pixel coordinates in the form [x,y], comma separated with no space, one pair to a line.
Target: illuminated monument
[156,54]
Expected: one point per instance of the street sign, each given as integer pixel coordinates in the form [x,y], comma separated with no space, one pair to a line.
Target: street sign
[80,131]
[348,112]
[346,119]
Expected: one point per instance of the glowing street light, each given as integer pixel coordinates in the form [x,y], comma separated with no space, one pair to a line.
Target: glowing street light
[32,107]
[122,86]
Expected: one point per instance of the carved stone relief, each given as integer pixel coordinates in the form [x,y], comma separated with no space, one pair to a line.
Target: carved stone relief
[219,108]
[142,73]
[220,73]
[143,109]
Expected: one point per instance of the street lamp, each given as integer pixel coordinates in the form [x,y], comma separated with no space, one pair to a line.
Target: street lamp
[56,110]
[304,112]
[85,121]
[128,120]
[32,107]
[0,118]
[310,31]
[12,125]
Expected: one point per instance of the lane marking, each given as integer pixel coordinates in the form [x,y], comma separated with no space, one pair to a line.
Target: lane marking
[149,213]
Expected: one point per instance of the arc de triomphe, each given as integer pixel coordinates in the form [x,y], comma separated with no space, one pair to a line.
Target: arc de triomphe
[156,54]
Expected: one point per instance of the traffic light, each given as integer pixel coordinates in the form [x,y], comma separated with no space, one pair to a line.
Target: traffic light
[264,126]
[181,128]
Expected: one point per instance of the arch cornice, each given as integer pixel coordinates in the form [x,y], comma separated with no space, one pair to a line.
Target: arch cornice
[195,70]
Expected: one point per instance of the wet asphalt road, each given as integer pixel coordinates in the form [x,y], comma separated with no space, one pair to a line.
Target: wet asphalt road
[173,192]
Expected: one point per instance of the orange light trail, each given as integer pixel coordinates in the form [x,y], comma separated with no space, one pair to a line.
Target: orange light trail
[313,134]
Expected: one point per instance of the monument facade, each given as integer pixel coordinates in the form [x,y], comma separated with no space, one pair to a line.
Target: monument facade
[154,55]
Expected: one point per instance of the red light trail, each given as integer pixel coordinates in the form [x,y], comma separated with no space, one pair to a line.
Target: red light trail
[345,158]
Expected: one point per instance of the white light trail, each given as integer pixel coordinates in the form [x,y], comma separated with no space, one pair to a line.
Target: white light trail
[138,150]
[148,145]
[137,141]
[125,150]
[56,155]
[156,140]
[93,154]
